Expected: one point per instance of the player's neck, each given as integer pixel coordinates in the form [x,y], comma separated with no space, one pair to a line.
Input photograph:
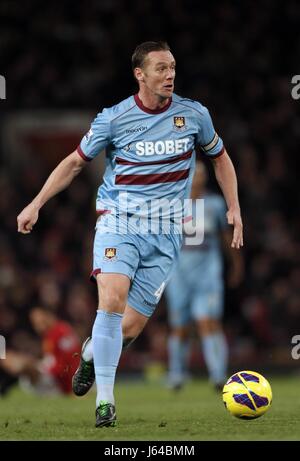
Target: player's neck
[152,101]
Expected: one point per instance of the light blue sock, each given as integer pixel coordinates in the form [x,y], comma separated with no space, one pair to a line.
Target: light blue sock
[215,352]
[107,347]
[87,354]
[178,351]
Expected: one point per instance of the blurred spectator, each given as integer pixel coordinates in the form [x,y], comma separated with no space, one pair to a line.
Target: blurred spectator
[51,372]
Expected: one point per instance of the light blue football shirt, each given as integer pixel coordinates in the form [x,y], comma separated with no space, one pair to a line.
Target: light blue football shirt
[150,154]
[203,263]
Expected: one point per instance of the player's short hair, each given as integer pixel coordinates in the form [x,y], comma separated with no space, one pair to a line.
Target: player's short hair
[142,50]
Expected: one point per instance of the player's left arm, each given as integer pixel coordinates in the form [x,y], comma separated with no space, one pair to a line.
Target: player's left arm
[226,177]
[212,146]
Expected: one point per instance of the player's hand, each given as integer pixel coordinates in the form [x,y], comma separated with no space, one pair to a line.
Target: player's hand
[234,219]
[27,219]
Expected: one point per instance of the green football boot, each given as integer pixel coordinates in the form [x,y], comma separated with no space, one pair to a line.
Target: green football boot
[105,415]
[84,376]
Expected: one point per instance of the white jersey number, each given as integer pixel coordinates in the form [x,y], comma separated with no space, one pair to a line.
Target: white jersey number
[159,291]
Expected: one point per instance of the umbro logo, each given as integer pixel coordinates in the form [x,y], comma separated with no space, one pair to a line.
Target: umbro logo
[149,304]
[139,129]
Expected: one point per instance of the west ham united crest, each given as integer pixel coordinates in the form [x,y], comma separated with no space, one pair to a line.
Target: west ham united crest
[179,123]
[110,254]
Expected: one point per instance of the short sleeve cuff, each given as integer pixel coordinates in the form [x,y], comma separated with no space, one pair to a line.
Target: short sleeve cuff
[218,154]
[82,154]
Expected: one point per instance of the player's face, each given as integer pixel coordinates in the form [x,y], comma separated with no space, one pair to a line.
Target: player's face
[158,73]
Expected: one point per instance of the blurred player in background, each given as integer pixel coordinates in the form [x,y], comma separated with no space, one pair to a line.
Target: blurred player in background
[195,292]
[150,140]
[52,373]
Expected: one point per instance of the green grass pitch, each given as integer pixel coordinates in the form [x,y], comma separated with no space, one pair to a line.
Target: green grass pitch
[150,412]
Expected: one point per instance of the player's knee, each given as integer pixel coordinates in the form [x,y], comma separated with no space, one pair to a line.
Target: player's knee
[208,326]
[113,292]
[180,332]
[112,301]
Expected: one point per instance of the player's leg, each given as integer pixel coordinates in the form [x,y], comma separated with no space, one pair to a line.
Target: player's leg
[133,324]
[113,317]
[148,268]
[177,297]
[178,356]
[207,310]
[116,259]
[107,339]
[153,274]
[215,350]
[112,291]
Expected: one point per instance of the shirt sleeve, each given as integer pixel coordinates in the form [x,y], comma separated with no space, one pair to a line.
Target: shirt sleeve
[209,141]
[97,138]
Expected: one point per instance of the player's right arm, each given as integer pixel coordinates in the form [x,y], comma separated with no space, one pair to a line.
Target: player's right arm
[91,145]
[59,179]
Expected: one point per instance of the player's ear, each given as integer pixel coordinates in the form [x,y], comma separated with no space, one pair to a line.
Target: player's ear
[138,73]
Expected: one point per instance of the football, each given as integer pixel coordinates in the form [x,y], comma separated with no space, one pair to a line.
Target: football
[247,395]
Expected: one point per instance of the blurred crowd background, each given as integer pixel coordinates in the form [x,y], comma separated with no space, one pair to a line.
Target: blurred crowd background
[237,58]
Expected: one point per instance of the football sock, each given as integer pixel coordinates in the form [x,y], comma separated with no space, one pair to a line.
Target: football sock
[215,352]
[87,354]
[107,347]
[178,350]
